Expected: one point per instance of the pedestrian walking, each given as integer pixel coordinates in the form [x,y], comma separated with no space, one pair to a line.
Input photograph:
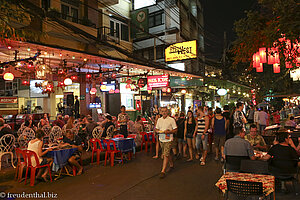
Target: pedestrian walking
[166,127]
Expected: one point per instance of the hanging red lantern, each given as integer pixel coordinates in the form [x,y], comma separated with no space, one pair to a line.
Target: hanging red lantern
[93,91]
[254,60]
[260,68]
[276,68]
[271,56]
[169,90]
[277,59]
[257,60]
[262,55]
[88,76]
[164,89]
[111,91]
[74,78]
[25,82]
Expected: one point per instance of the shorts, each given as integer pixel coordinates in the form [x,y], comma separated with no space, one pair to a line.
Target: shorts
[174,143]
[166,148]
[44,161]
[219,141]
[200,142]
[189,135]
[181,140]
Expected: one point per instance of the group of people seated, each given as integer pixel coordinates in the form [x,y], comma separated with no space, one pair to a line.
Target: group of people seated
[283,156]
[69,140]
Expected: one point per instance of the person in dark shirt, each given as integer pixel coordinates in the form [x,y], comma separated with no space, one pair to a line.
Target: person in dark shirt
[90,126]
[76,107]
[107,123]
[75,141]
[4,128]
[182,146]
[282,156]
[59,121]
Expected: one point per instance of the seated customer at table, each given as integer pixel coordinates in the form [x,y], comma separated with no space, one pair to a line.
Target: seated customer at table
[283,156]
[36,145]
[75,141]
[257,141]
[59,121]
[238,146]
[105,124]
[290,123]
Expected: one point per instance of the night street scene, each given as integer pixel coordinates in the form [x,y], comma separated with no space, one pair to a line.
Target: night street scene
[150,99]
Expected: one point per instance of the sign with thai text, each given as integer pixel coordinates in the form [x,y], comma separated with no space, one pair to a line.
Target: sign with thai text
[181,51]
[4,100]
[158,81]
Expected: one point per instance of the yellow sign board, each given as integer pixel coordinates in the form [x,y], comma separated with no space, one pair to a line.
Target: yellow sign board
[181,51]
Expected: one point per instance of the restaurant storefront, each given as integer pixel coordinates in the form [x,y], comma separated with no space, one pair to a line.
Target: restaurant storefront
[47,76]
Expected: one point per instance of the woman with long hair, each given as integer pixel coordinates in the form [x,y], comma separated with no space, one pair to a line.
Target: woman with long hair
[36,145]
[189,131]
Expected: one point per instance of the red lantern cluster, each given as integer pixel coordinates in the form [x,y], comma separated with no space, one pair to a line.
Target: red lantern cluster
[272,54]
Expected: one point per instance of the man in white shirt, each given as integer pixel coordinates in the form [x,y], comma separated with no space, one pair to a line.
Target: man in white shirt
[166,127]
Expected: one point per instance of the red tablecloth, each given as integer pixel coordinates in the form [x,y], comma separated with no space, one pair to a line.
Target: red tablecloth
[267,181]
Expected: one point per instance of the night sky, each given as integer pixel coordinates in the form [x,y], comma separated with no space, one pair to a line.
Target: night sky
[219,16]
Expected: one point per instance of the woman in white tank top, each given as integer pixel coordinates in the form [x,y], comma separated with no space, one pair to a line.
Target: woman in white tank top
[36,145]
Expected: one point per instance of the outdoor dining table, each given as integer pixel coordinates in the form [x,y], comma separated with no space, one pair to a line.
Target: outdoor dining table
[125,145]
[267,181]
[60,159]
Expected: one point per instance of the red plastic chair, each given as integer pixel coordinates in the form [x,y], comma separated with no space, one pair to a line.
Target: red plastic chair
[111,152]
[145,141]
[75,168]
[21,164]
[132,136]
[94,142]
[29,154]
[119,136]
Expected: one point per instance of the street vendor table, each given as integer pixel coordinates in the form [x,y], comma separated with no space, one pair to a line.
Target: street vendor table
[267,181]
[60,157]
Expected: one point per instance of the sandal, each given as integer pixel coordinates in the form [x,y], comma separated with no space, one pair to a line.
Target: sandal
[202,163]
[155,157]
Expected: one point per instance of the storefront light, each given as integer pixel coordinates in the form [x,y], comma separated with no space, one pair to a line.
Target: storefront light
[183,91]
[222,92]
[68,81]
[8,76]
[93,91]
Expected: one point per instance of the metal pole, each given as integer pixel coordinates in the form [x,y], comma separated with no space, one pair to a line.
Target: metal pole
[154,49]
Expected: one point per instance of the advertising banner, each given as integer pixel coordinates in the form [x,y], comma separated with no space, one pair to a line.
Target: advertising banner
[158,81]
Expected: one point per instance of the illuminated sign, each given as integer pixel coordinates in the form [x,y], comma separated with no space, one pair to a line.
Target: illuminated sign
[181,51]
[158,81]
[4,100]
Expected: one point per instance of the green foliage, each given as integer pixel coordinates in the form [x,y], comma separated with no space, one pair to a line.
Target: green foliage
[272,20]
